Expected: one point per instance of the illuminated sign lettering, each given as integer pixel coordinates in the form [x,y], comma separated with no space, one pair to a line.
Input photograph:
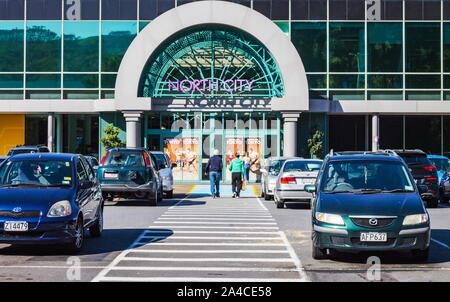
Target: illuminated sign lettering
[210,86]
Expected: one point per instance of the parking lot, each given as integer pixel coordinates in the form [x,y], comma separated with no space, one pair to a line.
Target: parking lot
[193,237]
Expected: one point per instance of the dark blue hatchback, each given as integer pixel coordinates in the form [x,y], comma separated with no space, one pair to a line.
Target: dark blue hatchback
[49,198]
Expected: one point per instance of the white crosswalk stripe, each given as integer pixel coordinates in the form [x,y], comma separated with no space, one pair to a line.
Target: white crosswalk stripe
[220,240]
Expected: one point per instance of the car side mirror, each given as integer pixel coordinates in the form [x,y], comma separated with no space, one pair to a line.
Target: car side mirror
[310,188]
[85,184]
[422,188]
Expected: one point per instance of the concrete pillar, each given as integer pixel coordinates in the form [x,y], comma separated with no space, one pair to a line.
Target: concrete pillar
[51,131]
[375,132]
[133,128]
[290,133]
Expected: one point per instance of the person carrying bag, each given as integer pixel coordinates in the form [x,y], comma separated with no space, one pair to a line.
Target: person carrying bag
[237,170]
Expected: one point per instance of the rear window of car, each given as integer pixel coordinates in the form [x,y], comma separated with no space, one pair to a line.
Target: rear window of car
[21,151]
[302,166]
[275,166]
[161,160]
[415,158]
[124,158]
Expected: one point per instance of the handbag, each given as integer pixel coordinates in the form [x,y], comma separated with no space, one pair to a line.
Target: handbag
[244,185]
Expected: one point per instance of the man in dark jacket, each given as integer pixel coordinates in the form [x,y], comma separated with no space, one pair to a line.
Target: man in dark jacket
[214,168]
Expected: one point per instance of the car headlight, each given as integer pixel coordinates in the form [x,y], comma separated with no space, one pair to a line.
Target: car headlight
[415,219]
[330,218]
[60,209]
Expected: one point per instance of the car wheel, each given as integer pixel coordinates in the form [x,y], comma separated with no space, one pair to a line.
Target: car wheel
[433,203]
[153,198]
[160,196]
[267,196]
[169,194]
[280,204]
[97,229]
[421,255]
[106,197]
[318,253]
[77,243]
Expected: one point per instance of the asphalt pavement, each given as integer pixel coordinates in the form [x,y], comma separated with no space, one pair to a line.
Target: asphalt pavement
[194,237]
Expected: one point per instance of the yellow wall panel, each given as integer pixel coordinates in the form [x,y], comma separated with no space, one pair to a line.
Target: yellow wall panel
[12,131]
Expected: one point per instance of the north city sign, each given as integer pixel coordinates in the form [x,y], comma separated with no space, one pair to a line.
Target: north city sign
[208,86]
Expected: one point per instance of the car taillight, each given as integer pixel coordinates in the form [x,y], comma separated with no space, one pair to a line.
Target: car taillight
[288,180]
[430,168]
[431,178]
[102,161]
[147,159]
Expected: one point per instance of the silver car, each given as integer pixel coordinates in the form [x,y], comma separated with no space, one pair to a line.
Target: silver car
[270,173]
[294,175]
[165,171]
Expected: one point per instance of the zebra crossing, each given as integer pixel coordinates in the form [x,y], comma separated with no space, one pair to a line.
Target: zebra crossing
[204,239]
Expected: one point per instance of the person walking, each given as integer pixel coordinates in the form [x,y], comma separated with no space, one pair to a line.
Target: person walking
[237,170]
[214,168]
[246,160]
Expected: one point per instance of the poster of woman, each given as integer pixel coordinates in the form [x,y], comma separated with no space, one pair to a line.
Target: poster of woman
[183,152]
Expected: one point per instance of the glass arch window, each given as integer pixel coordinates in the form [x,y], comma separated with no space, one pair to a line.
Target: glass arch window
[210,62]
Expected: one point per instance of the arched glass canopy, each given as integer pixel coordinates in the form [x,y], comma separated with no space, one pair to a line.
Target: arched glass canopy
[212,61]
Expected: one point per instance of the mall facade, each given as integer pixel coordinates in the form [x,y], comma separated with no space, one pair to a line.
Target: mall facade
[256,76]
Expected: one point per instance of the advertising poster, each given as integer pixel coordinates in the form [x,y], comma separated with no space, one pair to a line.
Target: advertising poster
[253,157]
[232,145]
[184,152]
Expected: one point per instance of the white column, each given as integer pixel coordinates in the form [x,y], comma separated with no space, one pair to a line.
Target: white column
[133,128]
[375,132]
[51,132]
[290,133]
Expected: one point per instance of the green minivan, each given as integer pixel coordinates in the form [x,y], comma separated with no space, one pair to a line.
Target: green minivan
[368,202]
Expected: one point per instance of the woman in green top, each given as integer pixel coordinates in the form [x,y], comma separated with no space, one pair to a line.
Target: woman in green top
[237,170]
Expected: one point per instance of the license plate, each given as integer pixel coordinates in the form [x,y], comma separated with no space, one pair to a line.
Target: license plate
[111,175]
[305,181]
[373,236]
[15,226]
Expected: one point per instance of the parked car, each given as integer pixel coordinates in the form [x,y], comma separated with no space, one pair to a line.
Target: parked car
[165,171]
[294,175]
[49,198]
[270,171]
[424,173]
[128,173]
[3,158]
[93,162]
[28,149]
[442,164]
[368,202]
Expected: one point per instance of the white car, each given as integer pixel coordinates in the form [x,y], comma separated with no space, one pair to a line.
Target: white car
[270,173]
[293,176]
[165,171]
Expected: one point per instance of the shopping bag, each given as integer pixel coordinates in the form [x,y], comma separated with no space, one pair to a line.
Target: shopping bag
[244,186]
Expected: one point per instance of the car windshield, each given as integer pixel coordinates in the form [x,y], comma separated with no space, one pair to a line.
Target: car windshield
[441,164]
[122,158]
[275,166]
[302,166]
[36,173]
[21,151]
[365,176]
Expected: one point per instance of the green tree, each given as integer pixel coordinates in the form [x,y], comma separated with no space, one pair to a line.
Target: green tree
[111,140]
[315,144]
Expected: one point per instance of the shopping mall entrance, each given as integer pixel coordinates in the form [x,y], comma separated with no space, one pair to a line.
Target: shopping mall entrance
[190,139]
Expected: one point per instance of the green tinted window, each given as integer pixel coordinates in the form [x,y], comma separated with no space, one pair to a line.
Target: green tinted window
[311,43]
[346,80]
[423,47]
[423,81]
[384,47]
[81,46]
[44,46]
[446,42]
[11,46]
[116,37]
[317,80]
[385,81]
[347,47]
[11,81]
[43,81]
[80,81]
[109,80]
